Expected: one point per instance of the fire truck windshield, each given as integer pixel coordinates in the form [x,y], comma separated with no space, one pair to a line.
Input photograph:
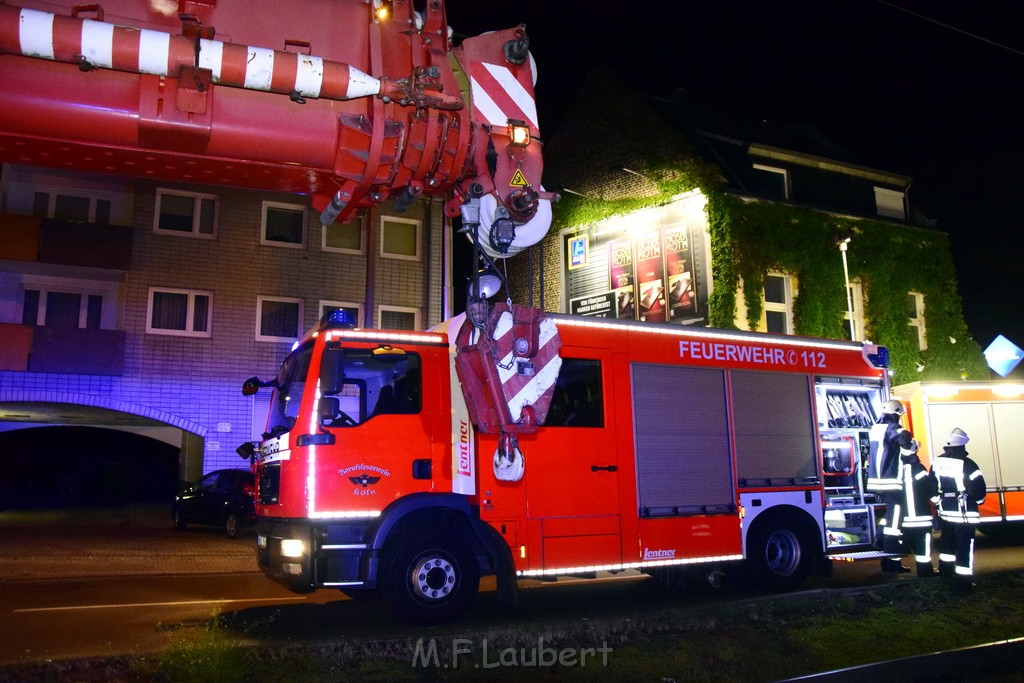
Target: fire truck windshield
[291,381]
[382,381]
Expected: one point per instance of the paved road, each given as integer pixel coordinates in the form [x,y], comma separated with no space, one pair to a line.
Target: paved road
[128,541]
[78,583]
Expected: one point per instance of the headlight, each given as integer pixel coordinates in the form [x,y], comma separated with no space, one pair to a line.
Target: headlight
[292,547]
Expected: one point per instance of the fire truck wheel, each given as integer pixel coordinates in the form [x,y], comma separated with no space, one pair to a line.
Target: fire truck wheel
[778,555]
[429,577]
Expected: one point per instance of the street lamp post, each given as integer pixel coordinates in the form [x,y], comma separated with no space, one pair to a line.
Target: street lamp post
[846,278]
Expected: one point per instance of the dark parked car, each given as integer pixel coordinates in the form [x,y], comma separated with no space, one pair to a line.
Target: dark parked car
[223,498]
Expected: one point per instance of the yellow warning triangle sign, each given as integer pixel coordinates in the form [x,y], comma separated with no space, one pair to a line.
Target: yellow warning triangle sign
[518,180]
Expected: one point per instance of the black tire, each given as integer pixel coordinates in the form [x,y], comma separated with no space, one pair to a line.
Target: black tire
[232,525]
[429,577]
[778,553]
[179,519]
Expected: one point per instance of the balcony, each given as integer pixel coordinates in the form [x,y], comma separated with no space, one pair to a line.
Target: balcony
[61,350]
[48,240]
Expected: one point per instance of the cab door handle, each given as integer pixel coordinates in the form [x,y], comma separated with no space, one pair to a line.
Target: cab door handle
[606,468]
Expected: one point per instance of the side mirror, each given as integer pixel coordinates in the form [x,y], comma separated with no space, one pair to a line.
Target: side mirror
[328,408]
[247,450]
[251,386]
[332,365]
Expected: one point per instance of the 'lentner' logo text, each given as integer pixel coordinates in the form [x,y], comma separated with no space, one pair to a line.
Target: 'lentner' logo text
[465,463]
[659,554]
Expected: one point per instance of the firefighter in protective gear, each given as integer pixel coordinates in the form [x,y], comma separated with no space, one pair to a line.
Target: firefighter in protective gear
[910,518]
[883,470]
[961,490]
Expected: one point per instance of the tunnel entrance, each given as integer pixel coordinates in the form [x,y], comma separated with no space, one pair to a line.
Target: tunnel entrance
[66,466]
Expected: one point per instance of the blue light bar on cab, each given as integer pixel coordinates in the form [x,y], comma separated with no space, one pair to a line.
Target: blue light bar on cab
[877,355]
[339,317]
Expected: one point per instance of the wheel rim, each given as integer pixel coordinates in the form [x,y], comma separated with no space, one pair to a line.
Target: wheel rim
[782,552]
[434,578]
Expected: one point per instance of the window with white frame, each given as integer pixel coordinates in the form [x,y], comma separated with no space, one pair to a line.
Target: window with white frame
[353,309]
[179,312]
[278,319]
[398,318]
[186,214]
[778,303]
[62,309]
[284,225]
[400,238]
[857,304]
[66,195]
[772,181]
[345,238]
[67,302]
[68,206]
[890,203]
[915,307]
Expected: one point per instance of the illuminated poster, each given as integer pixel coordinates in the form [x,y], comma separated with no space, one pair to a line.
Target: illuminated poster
[620,266]
[682,300]
[650,277]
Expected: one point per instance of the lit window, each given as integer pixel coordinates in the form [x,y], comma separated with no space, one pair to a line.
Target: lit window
[179,312]
[346,238]
[400,238]
[356,310]
[857,302]
[278,319]
[185,213]
[778,303]
[915,307]
[284,225]
[890,203]
[398,318]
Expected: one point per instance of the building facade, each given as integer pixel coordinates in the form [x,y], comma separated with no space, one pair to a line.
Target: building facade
[663,221]
[142,306]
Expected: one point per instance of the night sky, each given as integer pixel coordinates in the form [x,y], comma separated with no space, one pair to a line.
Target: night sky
[931,90]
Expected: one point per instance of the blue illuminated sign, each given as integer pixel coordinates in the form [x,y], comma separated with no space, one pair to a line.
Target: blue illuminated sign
[579,249]
[1003,355]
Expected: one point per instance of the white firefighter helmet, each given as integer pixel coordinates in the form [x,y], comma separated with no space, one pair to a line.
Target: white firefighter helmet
[893,407]
[957,437]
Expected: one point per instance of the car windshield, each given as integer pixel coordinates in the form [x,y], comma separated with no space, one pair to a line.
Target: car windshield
[291,381]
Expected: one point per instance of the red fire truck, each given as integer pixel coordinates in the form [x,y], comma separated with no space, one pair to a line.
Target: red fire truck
[521,445]
[992,414]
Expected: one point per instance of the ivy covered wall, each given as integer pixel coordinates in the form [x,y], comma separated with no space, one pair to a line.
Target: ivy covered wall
[750,238]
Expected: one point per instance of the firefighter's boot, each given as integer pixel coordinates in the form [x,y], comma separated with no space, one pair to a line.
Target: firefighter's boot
[893,566]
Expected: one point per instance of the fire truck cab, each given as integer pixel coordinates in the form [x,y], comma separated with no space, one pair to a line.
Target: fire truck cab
[665,449]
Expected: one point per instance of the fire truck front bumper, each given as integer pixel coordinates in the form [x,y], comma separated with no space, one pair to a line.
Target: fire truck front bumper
[305,556]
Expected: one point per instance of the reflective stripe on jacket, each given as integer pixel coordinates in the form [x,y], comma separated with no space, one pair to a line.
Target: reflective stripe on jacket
[961,486]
